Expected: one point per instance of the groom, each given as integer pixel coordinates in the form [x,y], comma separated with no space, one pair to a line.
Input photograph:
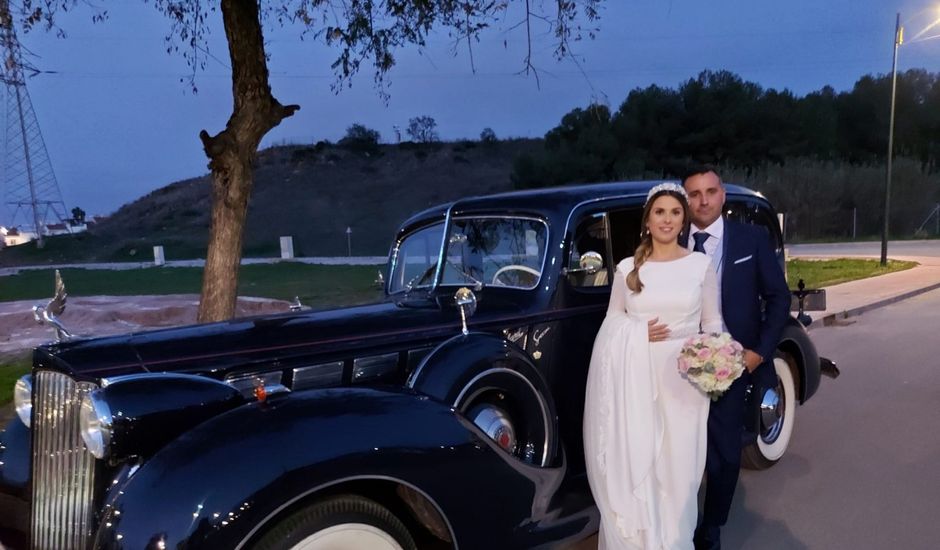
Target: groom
[748,274]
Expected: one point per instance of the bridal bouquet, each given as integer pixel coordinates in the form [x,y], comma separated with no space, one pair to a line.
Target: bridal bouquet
[712,362]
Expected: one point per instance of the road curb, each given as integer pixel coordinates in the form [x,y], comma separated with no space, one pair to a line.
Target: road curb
[834,318]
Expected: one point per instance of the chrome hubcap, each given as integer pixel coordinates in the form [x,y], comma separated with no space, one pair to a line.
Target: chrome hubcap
[772,413]
[495,423]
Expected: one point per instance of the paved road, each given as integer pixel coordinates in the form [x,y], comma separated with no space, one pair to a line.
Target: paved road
[862,469]
[868,248]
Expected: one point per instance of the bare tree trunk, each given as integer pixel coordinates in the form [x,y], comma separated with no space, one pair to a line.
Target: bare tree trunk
[231,154]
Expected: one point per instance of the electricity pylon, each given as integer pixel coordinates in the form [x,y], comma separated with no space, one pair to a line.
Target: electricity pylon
[31,192]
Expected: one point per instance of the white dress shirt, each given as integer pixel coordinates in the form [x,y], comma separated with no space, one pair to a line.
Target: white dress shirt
[713,248]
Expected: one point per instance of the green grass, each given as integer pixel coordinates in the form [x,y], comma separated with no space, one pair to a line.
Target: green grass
[822,273]
[11,368]
[317,286]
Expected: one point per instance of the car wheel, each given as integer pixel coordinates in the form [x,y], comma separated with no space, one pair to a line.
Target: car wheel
[510,411]
[346,522]
[776,418]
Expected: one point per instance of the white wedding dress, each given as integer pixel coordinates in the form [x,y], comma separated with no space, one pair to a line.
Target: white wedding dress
[645,424]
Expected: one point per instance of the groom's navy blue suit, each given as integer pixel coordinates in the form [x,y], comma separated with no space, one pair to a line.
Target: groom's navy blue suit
[755,304]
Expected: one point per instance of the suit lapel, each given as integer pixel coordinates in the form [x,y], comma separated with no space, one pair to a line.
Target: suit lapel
[726,260]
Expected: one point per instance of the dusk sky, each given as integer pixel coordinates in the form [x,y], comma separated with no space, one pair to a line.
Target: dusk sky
[118,122]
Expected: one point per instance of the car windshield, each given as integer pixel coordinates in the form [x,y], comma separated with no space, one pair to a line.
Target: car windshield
[481,251]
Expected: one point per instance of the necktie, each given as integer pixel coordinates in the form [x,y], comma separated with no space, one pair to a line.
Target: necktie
[700,238]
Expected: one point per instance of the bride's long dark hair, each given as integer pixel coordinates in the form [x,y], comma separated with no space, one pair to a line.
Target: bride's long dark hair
[645,248]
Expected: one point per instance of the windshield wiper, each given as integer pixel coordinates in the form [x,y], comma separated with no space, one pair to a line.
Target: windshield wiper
[420,277]
[417,279]
[477,284]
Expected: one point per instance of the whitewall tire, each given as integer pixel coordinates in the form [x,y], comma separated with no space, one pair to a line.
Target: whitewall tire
[343,522]
[776,419]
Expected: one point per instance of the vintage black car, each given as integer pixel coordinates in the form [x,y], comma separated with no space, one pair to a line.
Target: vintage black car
[448,415]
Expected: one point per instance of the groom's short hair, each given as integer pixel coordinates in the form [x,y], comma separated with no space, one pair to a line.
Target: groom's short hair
[697,169]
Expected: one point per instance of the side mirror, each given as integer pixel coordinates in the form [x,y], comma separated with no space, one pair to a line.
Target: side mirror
[590,263]
[379,281]
[466,301]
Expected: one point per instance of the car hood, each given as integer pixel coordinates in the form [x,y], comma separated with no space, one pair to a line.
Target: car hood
[257,343]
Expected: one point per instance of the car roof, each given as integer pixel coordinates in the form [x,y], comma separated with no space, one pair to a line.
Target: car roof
[551,200]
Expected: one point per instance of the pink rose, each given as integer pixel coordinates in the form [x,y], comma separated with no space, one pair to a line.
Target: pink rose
[684,365]
[727,351]
[722,373]
[704,354]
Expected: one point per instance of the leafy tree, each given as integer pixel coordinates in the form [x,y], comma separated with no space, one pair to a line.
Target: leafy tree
[78,215]
[362,139]
[422,129]
[488,136]
[364,31]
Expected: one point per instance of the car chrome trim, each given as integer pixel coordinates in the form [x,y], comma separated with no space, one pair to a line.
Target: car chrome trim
[324,374]
[102,414]
[448,222]
[277,511]
[442,253]
[63,470]
[374,366]
[105,382]
[415,356]
[23,399]
[538,395]
[246,384]
[414,376]
[574,209]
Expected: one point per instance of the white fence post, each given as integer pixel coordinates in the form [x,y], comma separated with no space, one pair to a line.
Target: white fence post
[158,258]
[287,248]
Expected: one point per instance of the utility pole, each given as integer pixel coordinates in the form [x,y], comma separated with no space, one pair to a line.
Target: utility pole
[898,39]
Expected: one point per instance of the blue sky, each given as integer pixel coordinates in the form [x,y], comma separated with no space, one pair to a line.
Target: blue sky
[118,122]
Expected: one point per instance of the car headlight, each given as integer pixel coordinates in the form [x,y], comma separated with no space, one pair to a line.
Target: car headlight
[96,425]
[23,398]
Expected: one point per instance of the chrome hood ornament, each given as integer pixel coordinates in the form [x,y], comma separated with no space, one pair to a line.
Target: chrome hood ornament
[49,313]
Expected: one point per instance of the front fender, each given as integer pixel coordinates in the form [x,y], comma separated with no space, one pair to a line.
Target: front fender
[471,362]
[217,484]
[14,476]
[15,445]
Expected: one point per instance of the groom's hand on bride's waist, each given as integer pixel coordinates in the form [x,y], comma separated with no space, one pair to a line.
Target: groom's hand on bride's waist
[657,331]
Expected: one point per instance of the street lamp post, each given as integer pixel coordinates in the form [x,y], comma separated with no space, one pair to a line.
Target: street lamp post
[898,38]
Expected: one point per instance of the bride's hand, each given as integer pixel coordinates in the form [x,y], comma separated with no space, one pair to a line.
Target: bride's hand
[657,332]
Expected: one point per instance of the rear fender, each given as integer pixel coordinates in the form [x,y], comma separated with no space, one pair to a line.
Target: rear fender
[220,482]
[796,343]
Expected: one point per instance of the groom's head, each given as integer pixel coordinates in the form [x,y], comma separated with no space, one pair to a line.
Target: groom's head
[706,195]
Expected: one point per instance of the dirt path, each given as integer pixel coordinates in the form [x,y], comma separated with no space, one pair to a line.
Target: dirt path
[105,315]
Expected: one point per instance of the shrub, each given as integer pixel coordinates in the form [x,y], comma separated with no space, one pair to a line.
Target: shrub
[361,139]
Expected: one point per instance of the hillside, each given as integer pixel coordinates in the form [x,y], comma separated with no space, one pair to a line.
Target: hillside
[311,193]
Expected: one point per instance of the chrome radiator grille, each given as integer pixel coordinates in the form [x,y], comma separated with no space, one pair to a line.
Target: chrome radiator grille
[63,470]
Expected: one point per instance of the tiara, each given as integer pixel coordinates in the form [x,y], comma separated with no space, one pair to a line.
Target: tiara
[667,186]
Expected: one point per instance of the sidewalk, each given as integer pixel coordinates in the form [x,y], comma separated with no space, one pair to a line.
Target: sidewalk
[856,297]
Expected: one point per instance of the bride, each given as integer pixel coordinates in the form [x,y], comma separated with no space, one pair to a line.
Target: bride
[644,423]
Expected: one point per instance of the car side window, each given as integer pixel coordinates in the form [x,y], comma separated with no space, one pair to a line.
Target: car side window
[756,214]
[625,231]
[590,237]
